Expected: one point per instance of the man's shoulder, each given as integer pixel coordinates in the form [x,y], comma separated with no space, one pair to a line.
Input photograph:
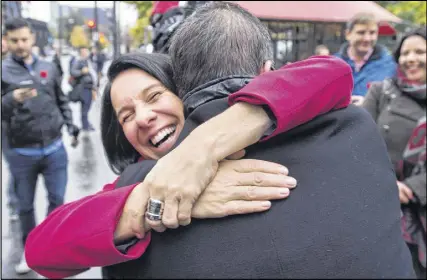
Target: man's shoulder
[349,118]
[382,54]
[45,63]
[8,62]
[342,52]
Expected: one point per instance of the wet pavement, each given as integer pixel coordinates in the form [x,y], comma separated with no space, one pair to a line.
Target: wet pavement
[88,172]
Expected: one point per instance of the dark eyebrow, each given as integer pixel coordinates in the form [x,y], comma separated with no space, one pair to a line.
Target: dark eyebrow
[142,93]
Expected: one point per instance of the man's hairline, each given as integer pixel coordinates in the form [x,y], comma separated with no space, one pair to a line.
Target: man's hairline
[16,29]
[368,23]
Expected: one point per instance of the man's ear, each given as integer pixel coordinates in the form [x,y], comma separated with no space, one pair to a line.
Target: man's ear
[267,67]
[33,38]
[347,34]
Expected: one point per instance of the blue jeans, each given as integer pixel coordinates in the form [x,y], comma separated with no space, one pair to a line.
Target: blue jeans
[86,100]
[12,200]
[25,170]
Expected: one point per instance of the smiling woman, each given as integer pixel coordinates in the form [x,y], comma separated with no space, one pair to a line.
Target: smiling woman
[398,105]
[151,115]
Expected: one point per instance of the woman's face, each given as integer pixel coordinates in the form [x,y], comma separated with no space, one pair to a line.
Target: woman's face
[151,116]
[412,58]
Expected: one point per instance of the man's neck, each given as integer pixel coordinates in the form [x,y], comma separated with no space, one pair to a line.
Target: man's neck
[29,60]
[357,56]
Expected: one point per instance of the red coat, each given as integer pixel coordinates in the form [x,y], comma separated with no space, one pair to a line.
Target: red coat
[79,235]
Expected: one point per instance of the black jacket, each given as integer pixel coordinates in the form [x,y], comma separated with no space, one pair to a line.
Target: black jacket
[342,221]
[98,61]
[57,61]
[38,121]
[84,80]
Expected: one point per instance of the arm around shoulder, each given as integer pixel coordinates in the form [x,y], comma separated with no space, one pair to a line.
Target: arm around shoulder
[298,92]
[79,235]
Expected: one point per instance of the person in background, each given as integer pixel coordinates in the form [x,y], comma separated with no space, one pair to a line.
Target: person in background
[321,50]
[98,61]
[57,61]
[3,46]
[369,61]
[12,201]
[85,83]
[398,105]
[35,109]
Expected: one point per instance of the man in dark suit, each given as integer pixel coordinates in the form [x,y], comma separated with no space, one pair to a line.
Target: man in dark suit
[343,220]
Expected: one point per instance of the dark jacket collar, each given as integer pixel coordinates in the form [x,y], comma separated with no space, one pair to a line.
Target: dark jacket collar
[216,89]
[21,62]
[376,54]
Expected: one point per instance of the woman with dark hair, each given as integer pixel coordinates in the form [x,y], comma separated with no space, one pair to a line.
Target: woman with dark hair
[142,119]
[398,106]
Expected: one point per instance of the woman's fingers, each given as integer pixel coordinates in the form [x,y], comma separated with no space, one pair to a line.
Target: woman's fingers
[402,197]
[155,225]
[253,165]
[237,155]
[265,180]
[170,217]
[184,212]
[255,193]
[237,207]
[408,192]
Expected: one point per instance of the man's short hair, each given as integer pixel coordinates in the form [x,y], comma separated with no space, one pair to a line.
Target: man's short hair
[16,23]
[361,18]
[219,39]
[82,48]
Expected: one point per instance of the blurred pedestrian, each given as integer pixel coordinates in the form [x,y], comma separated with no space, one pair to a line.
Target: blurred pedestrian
[3,46]
[369,60]
[57,61]
[35,109]
[85,85]
[12,202]
[321,50]
[398,105]
[98,60]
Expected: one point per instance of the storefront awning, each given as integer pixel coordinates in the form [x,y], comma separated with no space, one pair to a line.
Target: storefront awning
[319,11]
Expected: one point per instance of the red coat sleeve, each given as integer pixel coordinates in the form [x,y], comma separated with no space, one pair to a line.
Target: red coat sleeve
[79,235]
[298,92]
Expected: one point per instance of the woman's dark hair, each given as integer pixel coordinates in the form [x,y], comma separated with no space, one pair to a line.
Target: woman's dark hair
[120,153]
[417,32]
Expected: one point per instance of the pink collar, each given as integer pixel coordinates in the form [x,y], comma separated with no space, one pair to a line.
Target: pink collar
[359,65]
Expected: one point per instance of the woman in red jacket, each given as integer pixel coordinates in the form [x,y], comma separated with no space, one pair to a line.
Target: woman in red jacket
[81,234]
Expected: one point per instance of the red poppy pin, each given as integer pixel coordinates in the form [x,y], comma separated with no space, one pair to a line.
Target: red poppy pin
[43,74]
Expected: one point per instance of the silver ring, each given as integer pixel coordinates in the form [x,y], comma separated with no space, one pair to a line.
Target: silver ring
[153,217]
[154,209]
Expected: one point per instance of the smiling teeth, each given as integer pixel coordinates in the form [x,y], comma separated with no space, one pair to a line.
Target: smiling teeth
[162,134]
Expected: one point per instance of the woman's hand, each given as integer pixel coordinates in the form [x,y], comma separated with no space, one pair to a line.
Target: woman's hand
[241,187]
[181,176]
[405,193]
